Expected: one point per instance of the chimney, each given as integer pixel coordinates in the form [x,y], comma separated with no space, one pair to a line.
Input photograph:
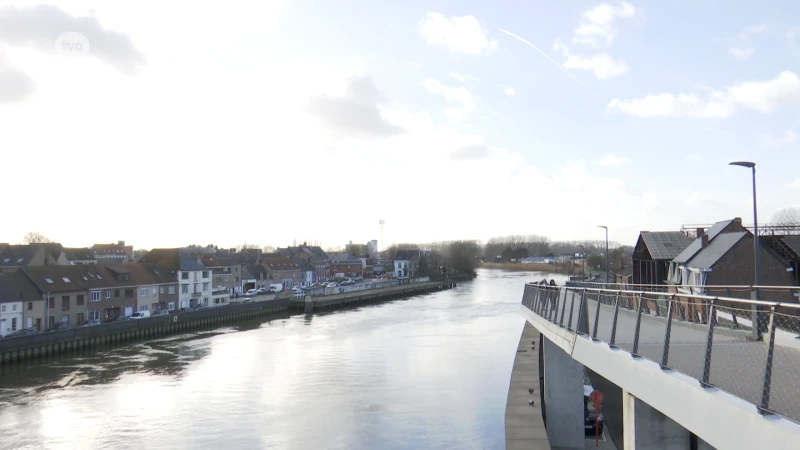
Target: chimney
[737,225]
[700,231]
[704,240]
[121,243]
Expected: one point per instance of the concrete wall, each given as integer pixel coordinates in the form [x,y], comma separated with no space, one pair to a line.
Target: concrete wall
[563,397]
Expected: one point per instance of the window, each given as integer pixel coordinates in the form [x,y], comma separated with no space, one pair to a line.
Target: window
[171,306]
[20,259]
[142,292]
[99,277]
[65,319]
[79,300]
[161,290]
[3,308]
[128,293]
[184,275]
[95,296]
[116,293]
[205,274]
[108,294]
[30,306]
[7,260]
[153,292]
[172,289]
[51,303]
[14,324]
[94,315]
[205,301]
[85,279]
[143,308]
[65,303]
[51,321]
[184,289]
[14,307]
[66,280]
[205,287]
[48,280]
[79,318]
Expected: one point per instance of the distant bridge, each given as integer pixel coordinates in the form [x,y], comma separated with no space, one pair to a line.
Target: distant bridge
[677,371]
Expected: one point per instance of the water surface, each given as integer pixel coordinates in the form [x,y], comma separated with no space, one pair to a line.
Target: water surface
[430,372]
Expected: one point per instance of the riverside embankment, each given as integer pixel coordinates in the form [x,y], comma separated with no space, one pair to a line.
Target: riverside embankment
[57,342]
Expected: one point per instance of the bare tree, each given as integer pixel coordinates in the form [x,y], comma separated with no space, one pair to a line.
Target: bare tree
[34,237]
[268,249]
[787,217]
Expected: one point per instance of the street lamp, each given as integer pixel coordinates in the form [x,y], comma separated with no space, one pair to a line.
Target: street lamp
[583,260]
[754,294]
[605,228]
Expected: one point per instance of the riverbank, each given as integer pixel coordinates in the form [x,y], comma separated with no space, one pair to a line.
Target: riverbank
[311,303]
[567,269]
[524,423]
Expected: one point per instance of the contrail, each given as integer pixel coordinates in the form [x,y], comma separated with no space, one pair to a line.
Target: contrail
[553,61]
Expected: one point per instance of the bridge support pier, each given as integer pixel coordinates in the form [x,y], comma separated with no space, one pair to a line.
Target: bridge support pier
[645,428]
[563,398]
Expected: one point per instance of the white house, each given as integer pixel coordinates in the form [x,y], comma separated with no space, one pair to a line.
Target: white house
[194,279]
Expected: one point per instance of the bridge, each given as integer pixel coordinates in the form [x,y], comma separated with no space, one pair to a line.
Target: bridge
[677,370]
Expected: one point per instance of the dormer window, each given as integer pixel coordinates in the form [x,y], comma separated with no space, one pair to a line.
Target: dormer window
[48,281]
[66,280]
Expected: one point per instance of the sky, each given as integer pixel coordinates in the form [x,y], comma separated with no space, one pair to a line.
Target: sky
[176,123]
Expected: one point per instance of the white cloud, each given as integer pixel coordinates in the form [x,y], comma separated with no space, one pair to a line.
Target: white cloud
[603,66]
[789,137]
[741,53]
[597,24]
[460,95]
[510,91]
[696,158]
[794,184]
[610,160]
[457,76]
[457,34]
[760,96]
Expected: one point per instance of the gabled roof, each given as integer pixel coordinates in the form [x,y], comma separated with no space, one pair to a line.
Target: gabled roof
[694,248]
[54,279]
[792,242]
[277,262]
[665,244]
[19,255]
[316,251]
[407,254]
[79,254]
[171,259]
[109,250]
[341,257]
[16,287]
[257,271]
[716,249]
[304,266]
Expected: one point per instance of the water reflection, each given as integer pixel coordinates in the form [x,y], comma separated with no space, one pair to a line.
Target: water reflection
[426,372]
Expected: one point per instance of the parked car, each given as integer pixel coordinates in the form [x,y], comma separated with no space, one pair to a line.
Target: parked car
[200,306]
[247,300]
[140,315]
[22,332]
[90,323]
[251,293]
[261,291]
[162,312]
[121,318]
[58,326]
[332,284]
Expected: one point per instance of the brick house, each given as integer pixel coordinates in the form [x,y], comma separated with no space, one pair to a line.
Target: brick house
[192,276]
[652,254]
[281,270]
[313,255]
[65,290]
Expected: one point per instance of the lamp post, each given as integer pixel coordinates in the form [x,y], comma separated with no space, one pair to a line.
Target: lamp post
[583,260]
[754,294]
[605,228]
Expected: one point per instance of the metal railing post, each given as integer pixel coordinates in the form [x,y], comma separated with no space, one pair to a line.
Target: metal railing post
[564,306]
[581,312]
[764,407]
[614,323]
[571,308]
[635,352]
[667,332]
[554,312]
[596,318]
[712,322]
[733,310]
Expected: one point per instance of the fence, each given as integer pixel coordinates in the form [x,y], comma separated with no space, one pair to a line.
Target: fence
[318,292]
[709,337]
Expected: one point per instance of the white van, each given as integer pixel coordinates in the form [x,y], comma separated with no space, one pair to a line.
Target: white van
[140,315]
[275,288]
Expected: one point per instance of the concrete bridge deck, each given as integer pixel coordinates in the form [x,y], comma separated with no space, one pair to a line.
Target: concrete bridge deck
[524,423]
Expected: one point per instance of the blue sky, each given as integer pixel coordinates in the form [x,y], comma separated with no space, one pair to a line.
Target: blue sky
[422,114]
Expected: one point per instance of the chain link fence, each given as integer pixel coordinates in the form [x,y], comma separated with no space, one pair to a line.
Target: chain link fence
[720,335]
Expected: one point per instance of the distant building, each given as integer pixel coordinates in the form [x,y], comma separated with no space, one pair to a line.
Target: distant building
[192,276]
[406,263]
[372,248]
[112,253]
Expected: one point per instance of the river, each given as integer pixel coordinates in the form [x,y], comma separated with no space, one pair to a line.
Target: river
[427,372]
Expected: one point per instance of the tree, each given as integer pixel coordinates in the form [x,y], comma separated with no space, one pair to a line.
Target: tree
[787,217]
[34,237]
[268,249]
[596,261]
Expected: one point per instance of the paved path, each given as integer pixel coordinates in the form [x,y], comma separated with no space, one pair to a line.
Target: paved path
[737,364]
[524,423]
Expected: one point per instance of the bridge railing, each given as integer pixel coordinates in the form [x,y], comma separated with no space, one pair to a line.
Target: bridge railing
[749,348]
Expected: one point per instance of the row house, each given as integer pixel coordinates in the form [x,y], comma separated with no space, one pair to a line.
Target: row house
[113,253]
[313,256]
[281,270]
[347,265]
[11,305]
[257,276]
[225,276]
[192,276]
[79,256]
[406,263]
[12,257]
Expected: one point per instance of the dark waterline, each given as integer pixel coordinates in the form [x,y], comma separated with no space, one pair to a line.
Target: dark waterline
[428,372]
